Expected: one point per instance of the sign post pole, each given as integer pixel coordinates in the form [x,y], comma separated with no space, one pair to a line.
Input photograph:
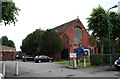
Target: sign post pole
[74,62]
[84,62]
[77,60]
[69,60]
[73,55]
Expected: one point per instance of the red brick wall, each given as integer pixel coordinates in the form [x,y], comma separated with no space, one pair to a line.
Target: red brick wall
[8,56]
[85,38]
[86,41]
[57,56]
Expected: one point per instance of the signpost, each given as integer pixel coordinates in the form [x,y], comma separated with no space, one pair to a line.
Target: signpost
[83,51]
[73,55]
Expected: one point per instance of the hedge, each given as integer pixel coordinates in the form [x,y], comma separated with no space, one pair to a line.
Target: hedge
[99,59]
[96,59]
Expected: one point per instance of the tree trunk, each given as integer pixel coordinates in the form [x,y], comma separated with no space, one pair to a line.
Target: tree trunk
[101,47]
[113,46]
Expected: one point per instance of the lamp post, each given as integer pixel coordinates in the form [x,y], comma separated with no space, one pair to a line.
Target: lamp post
[109,35]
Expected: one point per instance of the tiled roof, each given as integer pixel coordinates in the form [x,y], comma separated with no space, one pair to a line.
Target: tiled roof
[7,49]
[62,28]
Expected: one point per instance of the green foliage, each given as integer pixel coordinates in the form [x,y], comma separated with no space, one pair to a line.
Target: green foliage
[118,45]
[9,12]
[106,59]
[11,43]
[115,24]
[32,43]
[46,43]
[96,59]
[114,57]
[7,42]
[80,64]
[4,40]
[115,29]
[97,22]
[51,42]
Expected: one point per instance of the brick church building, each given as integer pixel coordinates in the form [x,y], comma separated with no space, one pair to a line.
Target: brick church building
[74,35]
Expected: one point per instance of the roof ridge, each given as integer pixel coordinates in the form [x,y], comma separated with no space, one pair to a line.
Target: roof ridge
[65,23]
[62,28]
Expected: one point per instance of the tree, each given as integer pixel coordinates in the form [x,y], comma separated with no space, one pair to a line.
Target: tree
[4,40]
[11,43]
[9,12]
[97,23]
[115,29]
[7,42]
[32,43]
[51,42]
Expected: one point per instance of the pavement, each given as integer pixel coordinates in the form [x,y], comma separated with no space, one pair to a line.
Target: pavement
[47,69]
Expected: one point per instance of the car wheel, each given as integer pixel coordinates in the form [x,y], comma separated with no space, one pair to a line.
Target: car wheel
[50,60]
[39,61]
[116,68]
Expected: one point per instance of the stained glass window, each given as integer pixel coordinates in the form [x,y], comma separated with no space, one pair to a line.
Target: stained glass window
[77,36]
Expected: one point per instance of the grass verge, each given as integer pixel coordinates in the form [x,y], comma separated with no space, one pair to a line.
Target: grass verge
[80,64]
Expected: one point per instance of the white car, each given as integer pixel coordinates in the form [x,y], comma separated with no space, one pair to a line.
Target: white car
[1,76]
[117,64]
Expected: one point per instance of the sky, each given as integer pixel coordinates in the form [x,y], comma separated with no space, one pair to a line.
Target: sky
[47,14]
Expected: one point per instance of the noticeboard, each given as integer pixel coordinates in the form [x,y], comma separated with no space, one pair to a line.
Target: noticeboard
[83,51]
[73,55]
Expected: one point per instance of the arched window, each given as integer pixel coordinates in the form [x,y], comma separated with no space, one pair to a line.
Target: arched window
[77,36]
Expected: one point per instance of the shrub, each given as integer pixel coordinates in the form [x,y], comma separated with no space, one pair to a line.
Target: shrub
[114,57]
[106,59]
[96,59]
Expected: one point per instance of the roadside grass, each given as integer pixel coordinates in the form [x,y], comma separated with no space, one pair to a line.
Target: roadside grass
[80,64]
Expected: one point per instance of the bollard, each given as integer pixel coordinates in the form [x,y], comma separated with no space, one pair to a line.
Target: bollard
[16,68]
[74,62]
[3,69]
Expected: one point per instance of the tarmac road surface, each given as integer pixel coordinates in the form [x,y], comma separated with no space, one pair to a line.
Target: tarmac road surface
[46,69]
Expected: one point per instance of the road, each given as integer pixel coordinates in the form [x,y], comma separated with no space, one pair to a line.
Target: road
[46,69]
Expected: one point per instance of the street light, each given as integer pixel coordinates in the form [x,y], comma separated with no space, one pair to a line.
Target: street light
[109,35]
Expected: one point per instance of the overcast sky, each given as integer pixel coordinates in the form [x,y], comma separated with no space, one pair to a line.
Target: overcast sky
[46,14]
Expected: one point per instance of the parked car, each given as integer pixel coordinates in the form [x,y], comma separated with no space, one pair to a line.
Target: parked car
[43,58]
[28,58]
[117,64]
[1,76]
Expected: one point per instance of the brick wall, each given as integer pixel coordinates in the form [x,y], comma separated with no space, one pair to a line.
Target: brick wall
[86,40]
[8,55]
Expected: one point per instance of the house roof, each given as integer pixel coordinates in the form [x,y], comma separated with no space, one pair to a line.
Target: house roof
[7,49]
[62,28]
